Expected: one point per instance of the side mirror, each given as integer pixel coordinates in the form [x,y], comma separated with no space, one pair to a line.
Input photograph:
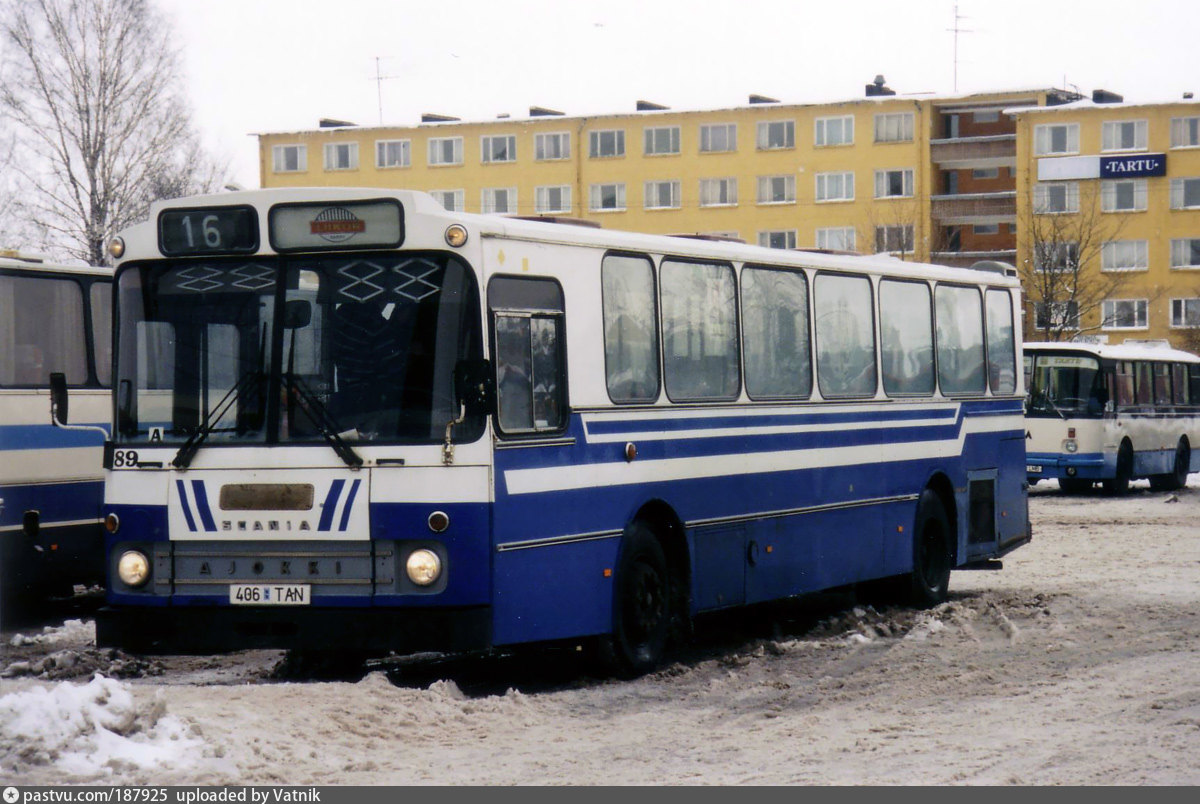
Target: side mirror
[475,386]
[58,398]
[297,314]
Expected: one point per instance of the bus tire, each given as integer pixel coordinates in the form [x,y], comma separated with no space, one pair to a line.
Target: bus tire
[1119,484]
[929,581]
[641,606]
[1074,485]
[1177,477]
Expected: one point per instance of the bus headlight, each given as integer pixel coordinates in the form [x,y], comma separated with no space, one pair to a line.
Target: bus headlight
[423,567]
[133,568]
[1069,445]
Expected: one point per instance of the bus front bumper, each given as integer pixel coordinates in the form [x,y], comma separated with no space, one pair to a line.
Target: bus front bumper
[1047,465]
[217,629]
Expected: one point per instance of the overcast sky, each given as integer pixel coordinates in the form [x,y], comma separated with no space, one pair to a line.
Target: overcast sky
[280,65]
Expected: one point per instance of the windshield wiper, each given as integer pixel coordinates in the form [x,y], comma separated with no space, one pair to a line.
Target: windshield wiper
[319,415]
[188,451]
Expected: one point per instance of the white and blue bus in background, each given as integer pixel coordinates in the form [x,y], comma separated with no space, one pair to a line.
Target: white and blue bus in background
[1111,414]
[348,420]
[53,318]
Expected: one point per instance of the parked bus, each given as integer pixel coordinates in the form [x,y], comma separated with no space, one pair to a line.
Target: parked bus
[53,318]
[351,420]
[1111,414]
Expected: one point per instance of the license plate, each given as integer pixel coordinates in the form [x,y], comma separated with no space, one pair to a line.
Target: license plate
[1033,469]
[270,594]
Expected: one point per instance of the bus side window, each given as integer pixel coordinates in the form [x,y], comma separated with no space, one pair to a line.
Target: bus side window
[527,324]
[843,318]
[1145,383]
[960,340]
[1194,383]
[1179,386]
[906,338]
[630,328]
[1162,384]
[1001,343]
[1124,381]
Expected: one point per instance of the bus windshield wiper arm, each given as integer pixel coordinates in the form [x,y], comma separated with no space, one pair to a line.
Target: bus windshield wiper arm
[318,413]
[188,451]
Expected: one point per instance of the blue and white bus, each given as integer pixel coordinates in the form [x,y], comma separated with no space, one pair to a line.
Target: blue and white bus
[53,318]
[1111,414]
[348,419]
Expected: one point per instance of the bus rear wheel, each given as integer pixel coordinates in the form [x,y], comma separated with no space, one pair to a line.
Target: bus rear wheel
[1119,484]
[930,578]
[1177,477]
[641,606]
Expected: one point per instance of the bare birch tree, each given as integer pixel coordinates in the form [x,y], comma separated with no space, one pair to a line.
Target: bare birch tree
[93,89]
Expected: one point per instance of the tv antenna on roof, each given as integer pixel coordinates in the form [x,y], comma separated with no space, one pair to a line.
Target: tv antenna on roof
[379,79]
[957,18]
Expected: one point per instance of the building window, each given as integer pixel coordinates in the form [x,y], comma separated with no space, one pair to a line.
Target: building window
[986,228]
[446,151]
[1056,315]
[289,158]
[1125,314]
[341,156]
[992,116]
[452,200]
[662,140]
[393,153]
[1185,253]
[1059,138]
[554,198]
[1185,132]
[893,238]
[894,183]
[837,238]
[782,238]
[1051,199]
[607,197]
[776,189]
[985,173]
[1123,195]
[604,144]
[1055,256]
[776,134]
[499,201]
[500,148]
[718,138]
[1185,312]
[1125,255]
[718,192]
[662,194]
[835,187]
[896,127]
[550,147]
[1185,193]
[834,131]
[1124,135]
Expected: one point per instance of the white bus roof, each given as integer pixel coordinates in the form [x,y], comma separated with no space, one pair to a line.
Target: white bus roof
[11,260]
[1122,351]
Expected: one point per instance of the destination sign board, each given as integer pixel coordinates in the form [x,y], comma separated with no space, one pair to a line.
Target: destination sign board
[186,232]
[337,225]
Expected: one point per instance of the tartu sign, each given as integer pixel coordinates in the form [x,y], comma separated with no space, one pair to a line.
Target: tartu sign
[1133,166]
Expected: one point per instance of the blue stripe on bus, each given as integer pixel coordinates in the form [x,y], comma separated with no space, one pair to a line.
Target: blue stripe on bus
[664,425]
[349,505]
[202,508]
[54,502]
[183,503]
[335,491]
[47,436]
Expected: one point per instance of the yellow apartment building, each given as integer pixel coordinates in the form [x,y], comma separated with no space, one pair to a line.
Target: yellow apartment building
[919,176]
[1108,204]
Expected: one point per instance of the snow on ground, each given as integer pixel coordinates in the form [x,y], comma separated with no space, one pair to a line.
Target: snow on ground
[1078,663]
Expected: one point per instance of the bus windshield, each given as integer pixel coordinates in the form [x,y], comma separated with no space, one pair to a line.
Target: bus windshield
[1068,386]
[360,348]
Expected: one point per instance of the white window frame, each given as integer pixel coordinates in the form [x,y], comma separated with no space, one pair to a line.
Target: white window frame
[1119,256]
[596,196]
[381,148]
[542,141]
[1179,192]
[436,151]
[1113,131]
[789,236]
[766,189]
[706,138]
[332,155]
[883,183]
[1185,132]
[1043,191]
[541,199]
[1109,195]
[1043,139]
[763,135]
[652,194]
[1062,314]
[723,187]
[487,149]
[907,238]
[650,137]
[838,238]
[821,126]
[1181,252]
[596,143]
[824,181]
[1179,313]
[457,198]
[1069,260]
[279,159]
[1108,310]
[488,205]
[894,127]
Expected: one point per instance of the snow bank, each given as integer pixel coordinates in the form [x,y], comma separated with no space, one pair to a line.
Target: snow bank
[73,631]
[93,730]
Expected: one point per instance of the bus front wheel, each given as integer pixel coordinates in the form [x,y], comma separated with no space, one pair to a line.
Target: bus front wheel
[641,606]
[930,579]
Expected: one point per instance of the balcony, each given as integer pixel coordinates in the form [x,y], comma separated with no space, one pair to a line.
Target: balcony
[966,153]
[974,208]
[965,259]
